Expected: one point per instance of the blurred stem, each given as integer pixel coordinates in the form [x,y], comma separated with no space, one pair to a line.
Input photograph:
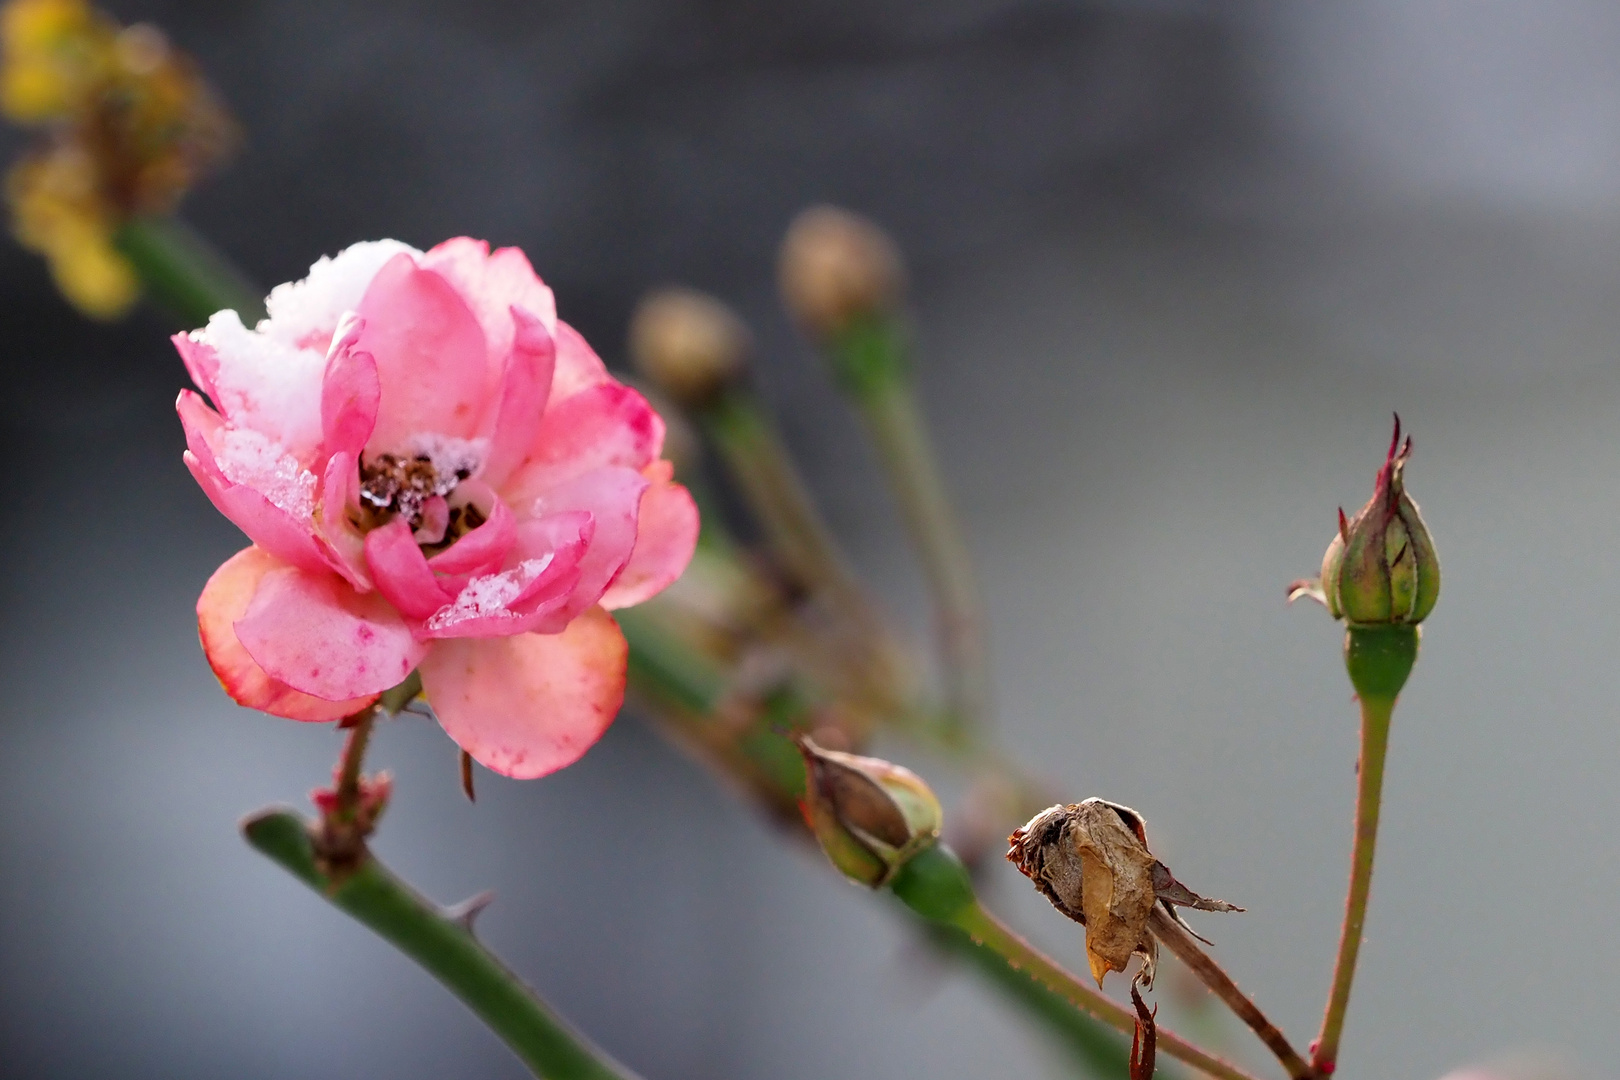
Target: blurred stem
[936,886]
[442,944]
[759,461]
[185,274]
[871,364]
[1379,659]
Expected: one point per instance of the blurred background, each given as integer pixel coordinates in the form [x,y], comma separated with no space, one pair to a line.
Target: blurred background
[1174,263]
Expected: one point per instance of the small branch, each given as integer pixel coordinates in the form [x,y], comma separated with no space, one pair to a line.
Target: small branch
[993,934]
[185,274]
[1173,936]
[443,945]
[901,436]
[1375,718]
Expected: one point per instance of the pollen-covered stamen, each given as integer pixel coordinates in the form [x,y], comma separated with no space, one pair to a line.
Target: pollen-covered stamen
[403,485]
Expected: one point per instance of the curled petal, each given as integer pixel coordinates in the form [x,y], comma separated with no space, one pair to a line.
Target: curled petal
[202,363]
[493,283]
[530,704]
[340,502]
[272,507]
[485,548]
[224,600]
[525,386]
[535,595]
[605,425]
[401,572]
[316,634]
[666,536]
[431,360]
[612,496]
[350,396]
[578,366]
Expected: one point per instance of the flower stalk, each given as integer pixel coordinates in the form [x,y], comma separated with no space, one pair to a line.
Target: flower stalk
[184,274]
[1379,659]
[442,944]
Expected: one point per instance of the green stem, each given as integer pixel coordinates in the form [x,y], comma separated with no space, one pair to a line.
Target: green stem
[872,368]
[936,886]
[354,756]
[1379,659]
[184,274]
[445,946]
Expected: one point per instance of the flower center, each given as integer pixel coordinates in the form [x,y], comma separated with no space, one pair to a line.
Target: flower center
[403,485]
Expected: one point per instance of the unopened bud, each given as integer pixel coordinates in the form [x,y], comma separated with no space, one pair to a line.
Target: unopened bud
[870,816]
[836,268]
[688,343]
[1381,568]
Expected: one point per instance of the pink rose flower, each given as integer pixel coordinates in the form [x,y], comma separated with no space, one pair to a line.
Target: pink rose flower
[438,475]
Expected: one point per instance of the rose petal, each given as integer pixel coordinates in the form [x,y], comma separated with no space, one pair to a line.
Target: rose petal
[432,364]
[401,572]
[612,496]
[666,536]
[534,595]
[492,284]
[274,527]
[608,424]
[350,396]
[316,634]
[340,501]
[578,366]
[484,549]
[202,363]
[529,705]
[525,386]
[224,600]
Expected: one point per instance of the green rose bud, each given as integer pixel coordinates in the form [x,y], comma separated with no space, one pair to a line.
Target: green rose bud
[871,817]
[1381,568]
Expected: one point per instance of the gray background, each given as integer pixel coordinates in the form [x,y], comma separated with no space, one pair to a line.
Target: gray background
[1174,264]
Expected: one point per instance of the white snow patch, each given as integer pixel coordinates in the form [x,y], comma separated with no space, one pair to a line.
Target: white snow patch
[266,383]
[301,311]
[487,596]
[254,459]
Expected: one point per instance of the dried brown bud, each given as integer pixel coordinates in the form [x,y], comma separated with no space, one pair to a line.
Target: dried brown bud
[688,343]
[870,816]
[1091,860]
[837,267]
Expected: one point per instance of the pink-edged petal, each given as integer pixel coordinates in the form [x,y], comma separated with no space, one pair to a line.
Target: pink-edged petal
[350,396]
[531,704]
[224,600]
[612,496]
[534,595]
[666,536]
[435,521]
[483,549]
[317,635]
[578,366]
[610,424]
[202,363]
[401,572]
[493,283]
[435,373]
[340,508]
[525,386]
[275,519]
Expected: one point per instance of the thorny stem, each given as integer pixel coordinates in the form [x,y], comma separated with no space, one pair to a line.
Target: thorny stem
[1375,718]
[354,756]
[444,945]
[873,369]
[991,933]
[1176,938]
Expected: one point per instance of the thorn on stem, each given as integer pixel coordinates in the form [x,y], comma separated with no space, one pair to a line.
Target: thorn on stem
[467,777]
[469,909]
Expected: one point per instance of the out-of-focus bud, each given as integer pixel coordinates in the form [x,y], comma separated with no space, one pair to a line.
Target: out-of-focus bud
[1381,568]
[689,344]
[1091,860]
[870,816]
[51,53]
[57,211]
[837,268]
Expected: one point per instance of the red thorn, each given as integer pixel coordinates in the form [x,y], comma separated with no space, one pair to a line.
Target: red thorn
[1344,527]
[1395,441]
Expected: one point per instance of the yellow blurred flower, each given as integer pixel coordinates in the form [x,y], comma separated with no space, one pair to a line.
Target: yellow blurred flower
[52,53]
[57,212]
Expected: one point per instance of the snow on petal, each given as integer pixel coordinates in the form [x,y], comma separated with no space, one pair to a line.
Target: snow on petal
[528,705]
[666,535]
[304,314]
[316,634]
[612,496]
[266,384]
[224,600]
